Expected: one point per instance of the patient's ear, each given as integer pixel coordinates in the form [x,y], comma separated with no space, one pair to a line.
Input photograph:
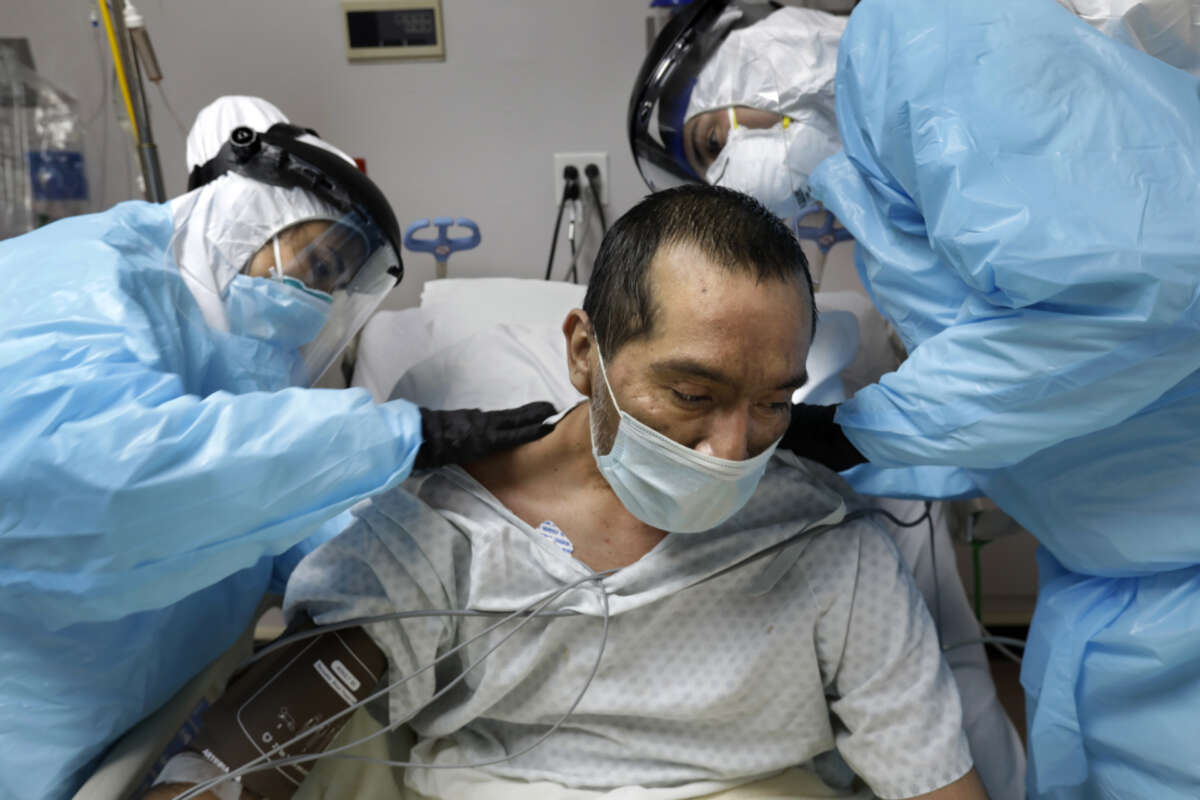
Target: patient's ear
[578,330]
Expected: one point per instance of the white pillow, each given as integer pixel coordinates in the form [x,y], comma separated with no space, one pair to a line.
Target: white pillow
[501,367]
[452,310]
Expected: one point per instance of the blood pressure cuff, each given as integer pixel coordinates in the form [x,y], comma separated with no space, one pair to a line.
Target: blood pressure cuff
[281,696]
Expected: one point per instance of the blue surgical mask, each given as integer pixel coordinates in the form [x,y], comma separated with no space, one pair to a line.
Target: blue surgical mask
[275,311]
[671,486]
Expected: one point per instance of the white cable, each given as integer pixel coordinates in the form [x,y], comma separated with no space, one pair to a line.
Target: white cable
[263,762]
[336,752]
[359,622]
[553,728]
[529,611]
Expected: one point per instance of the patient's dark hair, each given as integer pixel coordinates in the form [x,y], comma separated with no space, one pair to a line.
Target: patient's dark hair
[730,228]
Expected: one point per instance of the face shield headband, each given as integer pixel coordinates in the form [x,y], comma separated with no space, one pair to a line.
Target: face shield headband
[659,101]
[278,157]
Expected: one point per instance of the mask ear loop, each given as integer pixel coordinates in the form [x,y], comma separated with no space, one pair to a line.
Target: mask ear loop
[604,373]
[276,270]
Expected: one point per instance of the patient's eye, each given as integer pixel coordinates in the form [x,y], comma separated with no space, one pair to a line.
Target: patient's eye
[689,399]
[776,407]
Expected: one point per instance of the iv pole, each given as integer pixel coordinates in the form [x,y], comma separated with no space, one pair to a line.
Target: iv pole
[134,94]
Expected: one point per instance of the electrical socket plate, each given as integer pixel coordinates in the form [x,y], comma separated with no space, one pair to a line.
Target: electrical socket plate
[580,161]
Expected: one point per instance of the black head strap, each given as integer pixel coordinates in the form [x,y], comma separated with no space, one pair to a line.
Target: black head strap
[278,158]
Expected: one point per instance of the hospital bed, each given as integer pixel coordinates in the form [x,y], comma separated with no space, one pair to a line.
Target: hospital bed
[497,343]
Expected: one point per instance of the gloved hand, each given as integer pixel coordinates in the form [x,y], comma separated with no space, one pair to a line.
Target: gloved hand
[468,434]
[813,434]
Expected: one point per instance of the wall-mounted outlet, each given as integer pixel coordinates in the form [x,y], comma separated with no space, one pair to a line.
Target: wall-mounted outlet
[580,162]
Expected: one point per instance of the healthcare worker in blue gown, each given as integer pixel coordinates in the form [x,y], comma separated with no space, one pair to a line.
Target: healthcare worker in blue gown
[1024,193]
[159,449]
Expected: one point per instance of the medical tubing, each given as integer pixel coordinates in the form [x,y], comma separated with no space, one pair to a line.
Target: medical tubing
[592,172]
[554,238]
[393,725]
[119,66]
[577,247]
[998,642]
[937,592]
[530,611]
[338,752]
[258,765]
[989,639]
[976,546]
[585,226]
[553,728]
[102,72]
[102,187]
[569,181]
[937,586]
[571,241]
[171,110]
[255,764]
[1004,651]
[901,522]
[360,622]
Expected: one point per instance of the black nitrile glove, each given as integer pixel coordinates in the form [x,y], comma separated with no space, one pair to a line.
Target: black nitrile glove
[468,434]
[813,434]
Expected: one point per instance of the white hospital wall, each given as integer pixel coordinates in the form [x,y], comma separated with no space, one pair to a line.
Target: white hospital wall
[471,136]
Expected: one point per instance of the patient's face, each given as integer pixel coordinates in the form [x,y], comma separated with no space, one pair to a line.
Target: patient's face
[718,370]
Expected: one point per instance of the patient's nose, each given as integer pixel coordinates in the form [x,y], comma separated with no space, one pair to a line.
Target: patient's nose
[728,437]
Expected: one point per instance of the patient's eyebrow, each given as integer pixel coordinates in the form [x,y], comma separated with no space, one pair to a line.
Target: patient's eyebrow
[687,366]
[796,381]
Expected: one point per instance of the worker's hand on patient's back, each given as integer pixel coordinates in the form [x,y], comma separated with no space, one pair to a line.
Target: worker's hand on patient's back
[813,434]
[468,434]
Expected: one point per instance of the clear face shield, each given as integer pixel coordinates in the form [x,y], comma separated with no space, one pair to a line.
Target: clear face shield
[347,266]
[707,107]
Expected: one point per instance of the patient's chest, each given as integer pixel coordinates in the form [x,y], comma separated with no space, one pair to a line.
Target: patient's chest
[711,680]
[707,668]
[601,534]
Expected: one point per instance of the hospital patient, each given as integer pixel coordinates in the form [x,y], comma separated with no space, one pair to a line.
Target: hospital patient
[759,634]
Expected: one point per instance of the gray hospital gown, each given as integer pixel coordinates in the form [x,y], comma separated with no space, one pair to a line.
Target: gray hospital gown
[709,673]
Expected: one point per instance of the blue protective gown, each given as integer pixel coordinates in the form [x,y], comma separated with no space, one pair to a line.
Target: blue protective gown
[1025,194]
[150,471]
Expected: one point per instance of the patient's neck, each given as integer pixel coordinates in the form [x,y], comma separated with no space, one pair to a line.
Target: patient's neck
[555,478]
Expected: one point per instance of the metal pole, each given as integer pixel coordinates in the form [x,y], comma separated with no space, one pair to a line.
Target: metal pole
[147,150]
